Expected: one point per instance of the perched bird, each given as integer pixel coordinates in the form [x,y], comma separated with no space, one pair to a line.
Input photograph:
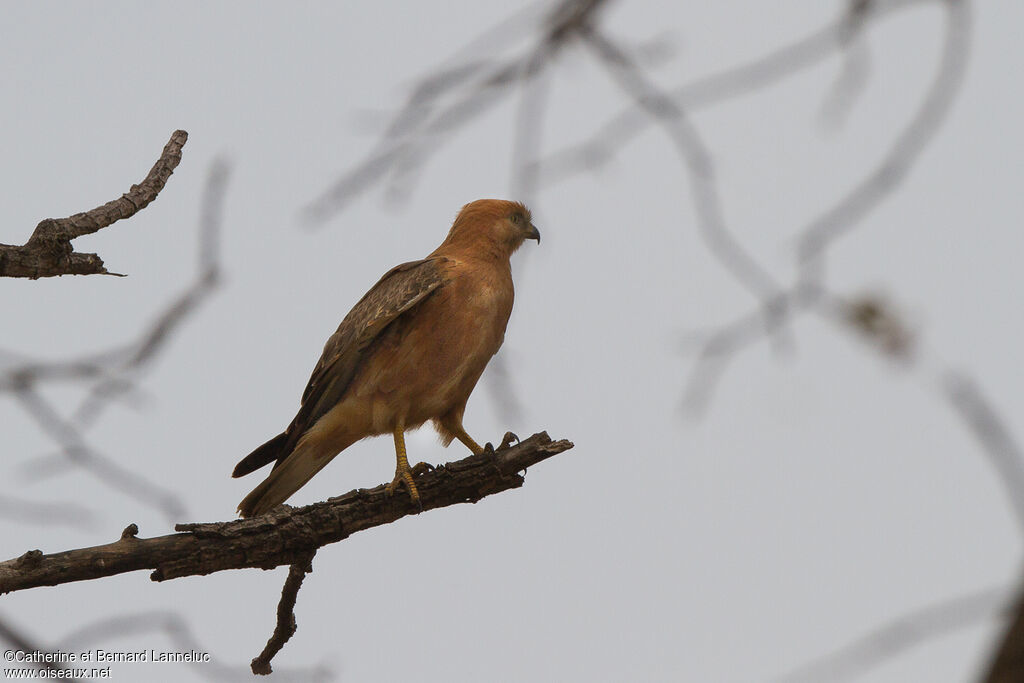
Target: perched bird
[410,350]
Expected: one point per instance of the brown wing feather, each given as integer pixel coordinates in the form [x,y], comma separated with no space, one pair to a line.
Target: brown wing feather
[399,290]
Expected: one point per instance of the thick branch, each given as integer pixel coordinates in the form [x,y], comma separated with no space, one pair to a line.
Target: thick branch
[283,536]
[48,251]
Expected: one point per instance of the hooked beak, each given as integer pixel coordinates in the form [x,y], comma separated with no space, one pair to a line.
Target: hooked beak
[532,233]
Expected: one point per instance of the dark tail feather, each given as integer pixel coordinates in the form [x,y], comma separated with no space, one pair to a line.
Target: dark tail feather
[264,455]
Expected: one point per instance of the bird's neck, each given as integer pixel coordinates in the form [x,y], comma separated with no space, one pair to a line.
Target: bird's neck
[480,252]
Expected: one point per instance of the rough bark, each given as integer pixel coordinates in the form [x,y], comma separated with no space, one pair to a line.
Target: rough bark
[48,251]
[283,536]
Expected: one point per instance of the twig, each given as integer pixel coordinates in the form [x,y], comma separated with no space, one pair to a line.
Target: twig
[48,251]
[285,627]
[284,535]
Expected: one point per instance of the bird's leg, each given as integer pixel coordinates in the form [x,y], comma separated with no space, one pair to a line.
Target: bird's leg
[403,473]
[465,438]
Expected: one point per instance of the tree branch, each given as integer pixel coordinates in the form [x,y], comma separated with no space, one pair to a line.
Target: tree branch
[286,625]
[283,536]
[48,251]
[1007,660]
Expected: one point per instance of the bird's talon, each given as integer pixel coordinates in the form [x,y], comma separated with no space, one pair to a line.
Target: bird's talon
[488,449]
[421,468]
[404,479]
[507,440]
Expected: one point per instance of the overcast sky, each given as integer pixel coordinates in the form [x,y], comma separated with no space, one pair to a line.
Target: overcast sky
[823,492]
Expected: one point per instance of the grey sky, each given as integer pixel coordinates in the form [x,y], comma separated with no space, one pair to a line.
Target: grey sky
[823,493]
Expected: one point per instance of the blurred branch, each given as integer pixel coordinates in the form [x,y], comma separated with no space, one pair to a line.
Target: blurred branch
[808,293]
[984,421]
[856,63]
[48,251]
[474,85]
[700,166]
[1007,662]
[731,83]
[899,635]
[153,340]
[905,150]
[283,536]
[19,641]
[47,514]
[103,468]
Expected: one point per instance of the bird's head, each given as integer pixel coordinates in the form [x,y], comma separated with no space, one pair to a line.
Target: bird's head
[496,223]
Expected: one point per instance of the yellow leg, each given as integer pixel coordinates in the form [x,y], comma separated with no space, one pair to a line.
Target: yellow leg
[403,473]
[465,438]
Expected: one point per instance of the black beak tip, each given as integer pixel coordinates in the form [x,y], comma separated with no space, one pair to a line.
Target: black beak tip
[534,233]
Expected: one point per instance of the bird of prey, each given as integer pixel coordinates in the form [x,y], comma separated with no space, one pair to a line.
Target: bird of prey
[410,350]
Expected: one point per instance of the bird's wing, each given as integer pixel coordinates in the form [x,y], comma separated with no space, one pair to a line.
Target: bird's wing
[398,291]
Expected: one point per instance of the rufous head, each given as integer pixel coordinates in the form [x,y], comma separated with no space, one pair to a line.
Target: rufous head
[497,223]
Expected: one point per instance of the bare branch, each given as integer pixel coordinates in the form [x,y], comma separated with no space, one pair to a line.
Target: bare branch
[48,251]
[283,536]
[286,625]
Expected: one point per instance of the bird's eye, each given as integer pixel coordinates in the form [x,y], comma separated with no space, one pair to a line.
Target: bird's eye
[516,218]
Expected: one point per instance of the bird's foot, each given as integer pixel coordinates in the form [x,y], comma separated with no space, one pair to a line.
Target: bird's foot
[404,477]
[506,441]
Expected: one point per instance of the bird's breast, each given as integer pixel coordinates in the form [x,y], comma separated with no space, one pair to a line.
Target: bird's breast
[432,360]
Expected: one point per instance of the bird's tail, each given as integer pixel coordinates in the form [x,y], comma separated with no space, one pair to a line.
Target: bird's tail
[265,454]
[288,476]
